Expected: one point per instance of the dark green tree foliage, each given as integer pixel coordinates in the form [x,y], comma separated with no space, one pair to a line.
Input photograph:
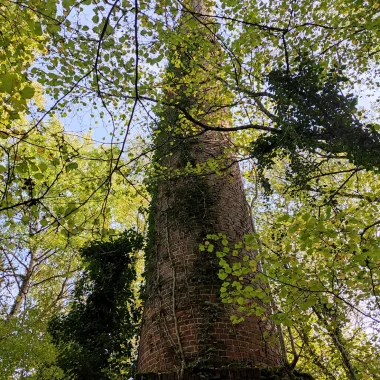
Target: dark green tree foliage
[96,338]
[314,115]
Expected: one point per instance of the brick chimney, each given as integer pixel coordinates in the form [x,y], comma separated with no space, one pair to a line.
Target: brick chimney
[186,328]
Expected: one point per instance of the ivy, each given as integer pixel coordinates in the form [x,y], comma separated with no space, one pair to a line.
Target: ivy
[97,337]
[314,115]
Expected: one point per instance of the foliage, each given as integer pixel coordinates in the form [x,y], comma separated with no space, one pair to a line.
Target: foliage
[21,40]
[313,114]
[97,337]
[53,201]
[111,63]
[26,350]
[318,259]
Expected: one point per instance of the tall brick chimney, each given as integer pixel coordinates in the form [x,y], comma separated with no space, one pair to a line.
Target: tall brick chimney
[186,329]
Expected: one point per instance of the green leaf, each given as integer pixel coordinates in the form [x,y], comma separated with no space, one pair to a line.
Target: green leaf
[287,322]
[25,219]
[21,168]
[249,239]
[240,301]
[71,166]
[42,167]
[8,82]
[27,92]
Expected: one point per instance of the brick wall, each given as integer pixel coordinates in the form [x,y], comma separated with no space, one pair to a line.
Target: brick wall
[229,373]
[184,322]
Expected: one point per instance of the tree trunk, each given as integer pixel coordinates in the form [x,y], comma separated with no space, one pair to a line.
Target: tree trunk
[24,288]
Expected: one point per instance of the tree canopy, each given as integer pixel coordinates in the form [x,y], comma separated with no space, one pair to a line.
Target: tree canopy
[86,90]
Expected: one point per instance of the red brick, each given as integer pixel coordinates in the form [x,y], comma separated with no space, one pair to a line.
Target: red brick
[181,217]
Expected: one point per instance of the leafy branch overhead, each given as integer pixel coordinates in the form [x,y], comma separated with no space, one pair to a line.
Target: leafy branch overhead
[314,115]
[98,96]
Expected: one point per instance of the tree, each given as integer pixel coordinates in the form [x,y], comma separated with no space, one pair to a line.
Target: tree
[320,267]
[95,338]
[113,64]
[326,232]
[60,205]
